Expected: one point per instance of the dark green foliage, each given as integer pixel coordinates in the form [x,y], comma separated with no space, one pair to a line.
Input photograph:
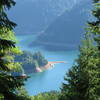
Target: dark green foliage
[5,44]
[23,57]
[7,3]
[53,95]
[4,21]
[95,1]
[40,58]
[31,61]
[95,25]
[8,83]
[27,62]
[82,82]
[22,94]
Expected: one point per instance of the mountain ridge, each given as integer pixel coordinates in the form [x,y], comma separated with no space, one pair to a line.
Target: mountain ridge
[65,30]
[33,16]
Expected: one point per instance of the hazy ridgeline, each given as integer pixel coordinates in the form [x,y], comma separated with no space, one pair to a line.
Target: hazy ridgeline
[59,25]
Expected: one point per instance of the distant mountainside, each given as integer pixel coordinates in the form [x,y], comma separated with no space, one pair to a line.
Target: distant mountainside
[67,30]
[34,16]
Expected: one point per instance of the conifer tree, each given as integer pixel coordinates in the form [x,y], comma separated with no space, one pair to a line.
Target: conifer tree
[82,82]
[8,83]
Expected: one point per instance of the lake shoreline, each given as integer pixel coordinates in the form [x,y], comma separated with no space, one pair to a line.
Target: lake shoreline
[48,66]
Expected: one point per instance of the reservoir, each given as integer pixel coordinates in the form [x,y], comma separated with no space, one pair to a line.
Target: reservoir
[50,79]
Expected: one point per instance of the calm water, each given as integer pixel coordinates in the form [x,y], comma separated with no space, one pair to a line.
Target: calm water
[52,78]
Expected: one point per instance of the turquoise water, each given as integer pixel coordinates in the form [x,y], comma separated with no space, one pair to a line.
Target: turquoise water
[51,79]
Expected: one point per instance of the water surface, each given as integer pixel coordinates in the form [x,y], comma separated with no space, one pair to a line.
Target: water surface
[50,79]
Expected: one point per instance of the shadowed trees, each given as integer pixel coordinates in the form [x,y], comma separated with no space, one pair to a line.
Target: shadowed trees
[8,83]
[82,82]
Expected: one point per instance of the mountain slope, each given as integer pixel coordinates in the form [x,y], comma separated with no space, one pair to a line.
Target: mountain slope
[33,16]
[66,31]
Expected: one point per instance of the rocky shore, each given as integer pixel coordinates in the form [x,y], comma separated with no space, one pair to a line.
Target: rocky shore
[48,66]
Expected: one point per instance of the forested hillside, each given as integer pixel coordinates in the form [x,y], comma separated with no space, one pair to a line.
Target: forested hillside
[67,30]
[81,81]
[30,61]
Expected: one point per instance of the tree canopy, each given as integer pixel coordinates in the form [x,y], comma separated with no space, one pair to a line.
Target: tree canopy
[82,82]
[8,83]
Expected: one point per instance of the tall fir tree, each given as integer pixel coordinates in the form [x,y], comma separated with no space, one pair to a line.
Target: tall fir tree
[8,84]
[82,82]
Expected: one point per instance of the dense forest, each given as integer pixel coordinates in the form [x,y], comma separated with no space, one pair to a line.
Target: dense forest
[81,82]
[30,61]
